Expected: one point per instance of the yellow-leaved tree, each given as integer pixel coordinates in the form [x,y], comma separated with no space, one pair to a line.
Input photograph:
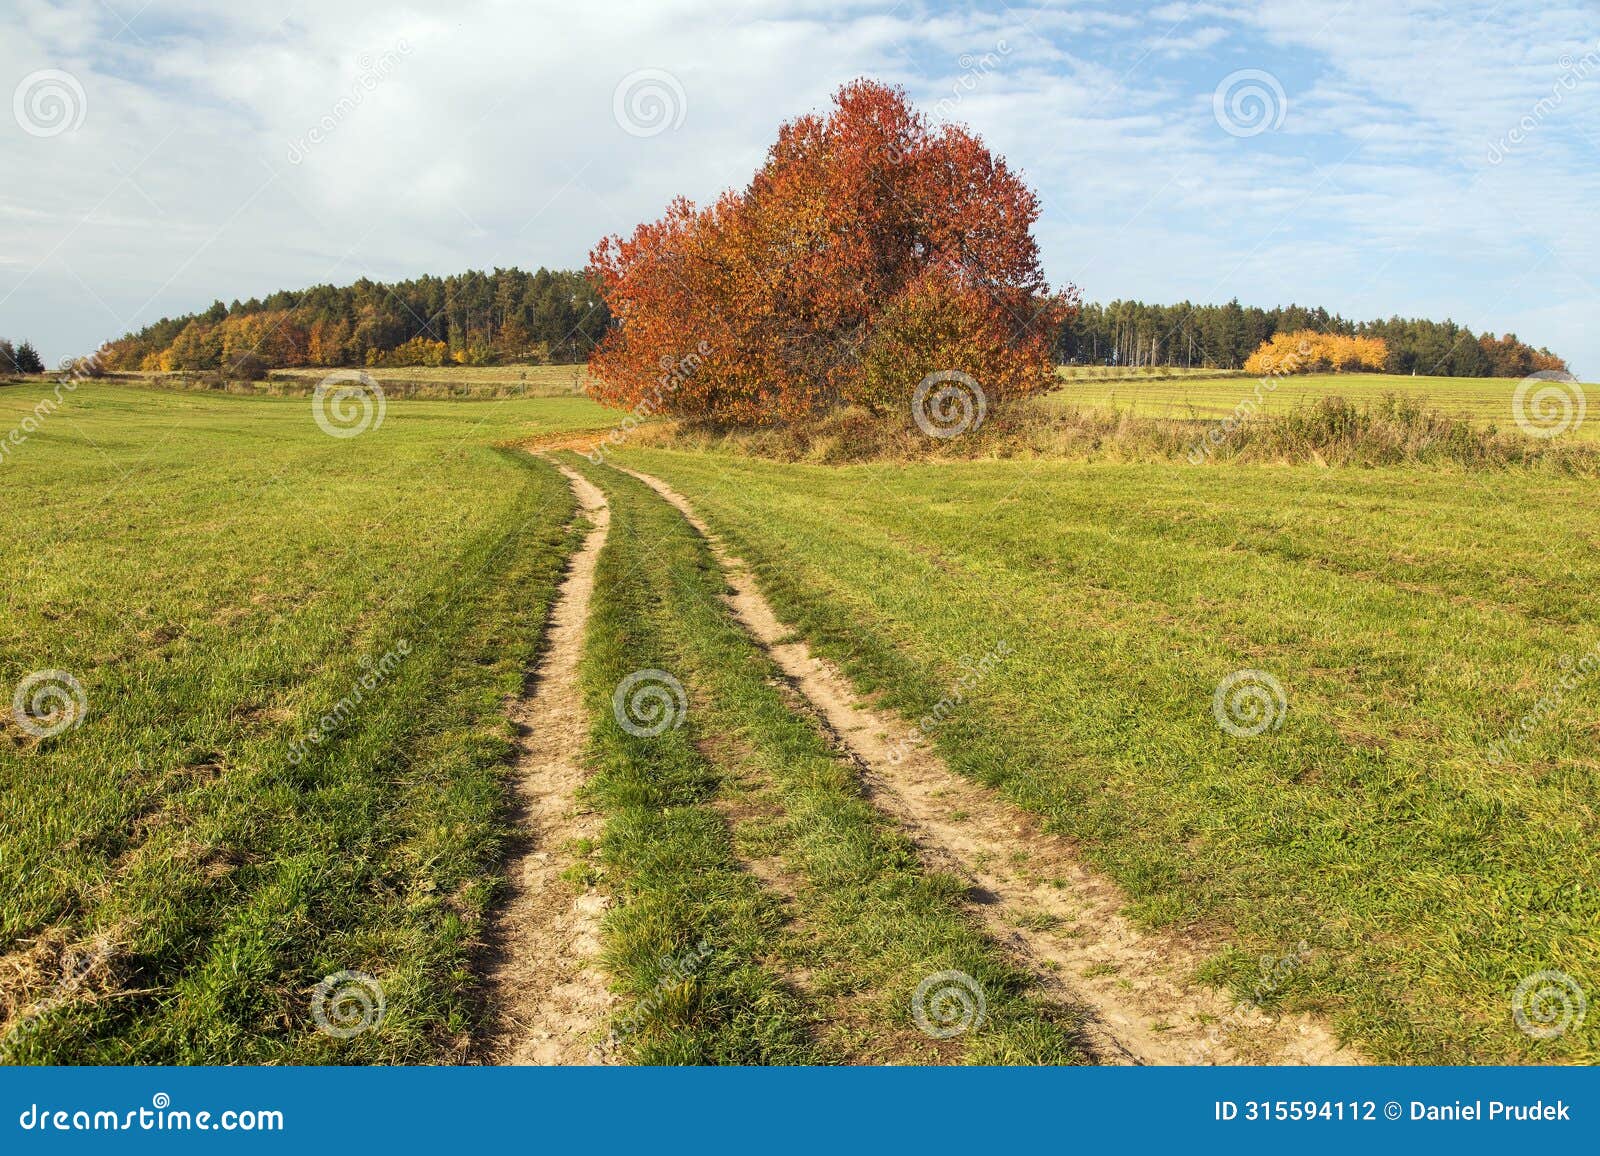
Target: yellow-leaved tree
[1310,351]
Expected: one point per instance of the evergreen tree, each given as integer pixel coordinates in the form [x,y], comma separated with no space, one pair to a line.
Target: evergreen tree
[26,359]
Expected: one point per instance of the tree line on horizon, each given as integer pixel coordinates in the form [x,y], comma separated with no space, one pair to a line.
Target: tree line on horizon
[510,316]
[552,316]
[1137,335]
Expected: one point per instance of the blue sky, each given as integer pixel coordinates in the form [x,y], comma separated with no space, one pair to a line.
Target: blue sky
[1386,157]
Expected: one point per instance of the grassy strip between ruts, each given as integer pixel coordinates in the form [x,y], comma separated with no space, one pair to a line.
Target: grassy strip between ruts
[718,967]
[258,869]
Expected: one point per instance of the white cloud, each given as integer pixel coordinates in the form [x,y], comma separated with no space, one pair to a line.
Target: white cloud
[1197,41]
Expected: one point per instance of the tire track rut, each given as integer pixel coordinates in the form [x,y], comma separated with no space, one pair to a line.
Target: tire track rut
[549,999]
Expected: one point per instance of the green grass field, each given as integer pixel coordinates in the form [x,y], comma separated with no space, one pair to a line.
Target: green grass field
[218,574]
[1411,617]
[222,578]
[1481,400]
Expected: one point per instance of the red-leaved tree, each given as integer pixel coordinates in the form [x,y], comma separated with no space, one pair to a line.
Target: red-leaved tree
[869,251]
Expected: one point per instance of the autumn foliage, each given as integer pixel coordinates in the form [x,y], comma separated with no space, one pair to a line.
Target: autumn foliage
[1309,351]
[473,318]
[869,251]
